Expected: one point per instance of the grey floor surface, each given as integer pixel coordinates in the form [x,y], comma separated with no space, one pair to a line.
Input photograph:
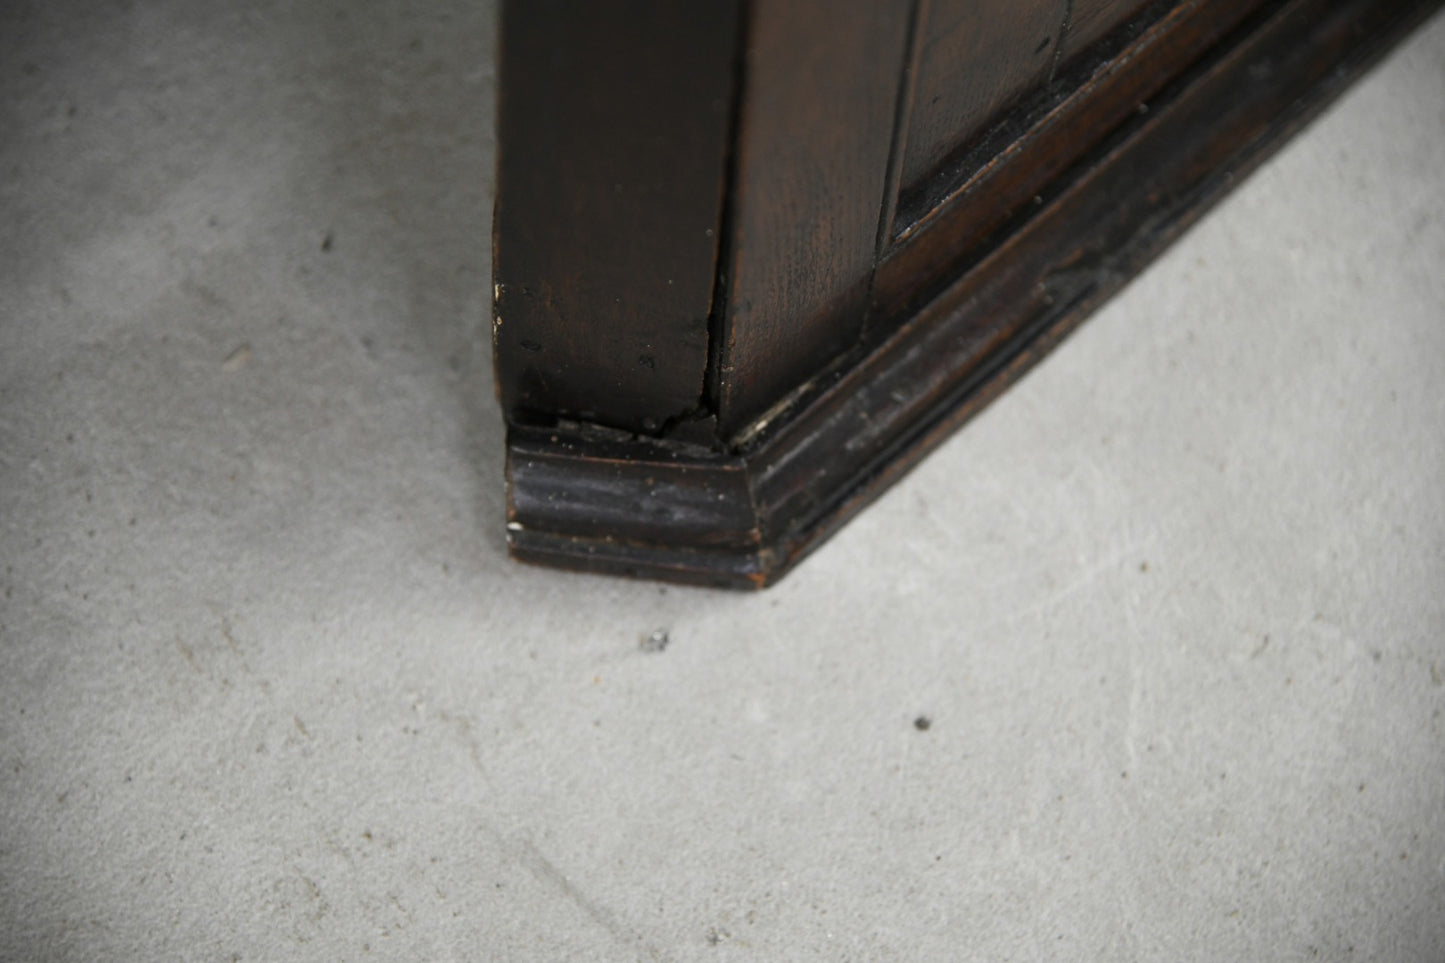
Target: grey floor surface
[269,688]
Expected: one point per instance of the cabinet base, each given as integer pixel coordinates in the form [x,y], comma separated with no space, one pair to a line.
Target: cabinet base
[594,499]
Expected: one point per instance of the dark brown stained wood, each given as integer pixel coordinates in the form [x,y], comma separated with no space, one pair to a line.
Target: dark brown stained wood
[688,491]
[613,127]
[578,497]
[936,242]
[821,82]
[978,58]
[745,517]
[1090,20]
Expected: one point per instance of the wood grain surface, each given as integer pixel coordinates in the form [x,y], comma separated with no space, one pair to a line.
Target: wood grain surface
[1090,20]
[613,129]
[947,224]
[978,57]
[814,139]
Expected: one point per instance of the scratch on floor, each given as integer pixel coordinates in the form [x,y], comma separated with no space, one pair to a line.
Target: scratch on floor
[188,655]
[1136,696]
[235,649]
[541,867]
[468,736]
[1136,679]
[1085,578]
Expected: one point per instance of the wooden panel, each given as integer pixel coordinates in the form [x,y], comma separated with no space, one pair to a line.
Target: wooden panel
[613,124]
[1091,20]
[943,229]
[821,84]
[978,58]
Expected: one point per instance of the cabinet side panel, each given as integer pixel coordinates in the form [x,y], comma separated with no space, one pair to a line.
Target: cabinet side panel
[612,151]
[1090,20]
[978,57]
[821,83]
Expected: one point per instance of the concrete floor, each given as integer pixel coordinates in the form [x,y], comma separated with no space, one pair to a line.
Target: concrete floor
[270,689]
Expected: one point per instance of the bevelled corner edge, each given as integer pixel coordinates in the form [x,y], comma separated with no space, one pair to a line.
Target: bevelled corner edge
[632,506]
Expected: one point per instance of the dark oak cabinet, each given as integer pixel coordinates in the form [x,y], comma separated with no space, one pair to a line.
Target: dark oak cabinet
[754,258]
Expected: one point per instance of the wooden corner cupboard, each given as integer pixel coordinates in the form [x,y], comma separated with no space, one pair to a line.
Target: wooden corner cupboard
[754,258]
